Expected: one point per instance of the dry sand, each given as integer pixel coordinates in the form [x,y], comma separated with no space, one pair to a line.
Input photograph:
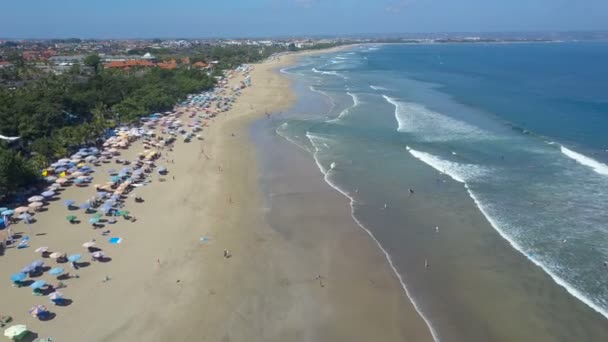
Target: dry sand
[168,285]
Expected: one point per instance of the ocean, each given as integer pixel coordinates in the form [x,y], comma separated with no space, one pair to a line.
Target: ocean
[481,172]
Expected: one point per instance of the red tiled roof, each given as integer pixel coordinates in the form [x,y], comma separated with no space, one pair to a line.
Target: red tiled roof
[172,64]
[128,64]
[200,65]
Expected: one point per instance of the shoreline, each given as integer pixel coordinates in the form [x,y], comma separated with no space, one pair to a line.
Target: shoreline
[169,278]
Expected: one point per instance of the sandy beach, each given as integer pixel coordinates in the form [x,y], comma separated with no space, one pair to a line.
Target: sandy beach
[169,279]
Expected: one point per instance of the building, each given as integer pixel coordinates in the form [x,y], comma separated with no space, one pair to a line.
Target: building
[67,60]
[133,63]
[5,64]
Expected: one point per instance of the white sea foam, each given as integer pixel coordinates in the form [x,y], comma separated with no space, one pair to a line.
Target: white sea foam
[345,112]
[331,100]
[464,173]
[598,167]
[430,125]
[314,140]
[378,88]
[457,171]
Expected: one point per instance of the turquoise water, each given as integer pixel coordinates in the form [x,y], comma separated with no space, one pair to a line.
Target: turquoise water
[520,127]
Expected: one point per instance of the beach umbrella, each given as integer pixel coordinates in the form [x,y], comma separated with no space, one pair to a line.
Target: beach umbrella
[25,217]
[16,331]
[69,203]
[38,284]
[79,181]
[56,271]
[62,180]
[77,174]
[27,269]
[115,179]
[37,310]
[74,257]
[93,220]
[41,249]
[18,276]
[56,255]
[56,296]
[7,212]
[48,194]
[3,209]
[35,199]
[70,218]
[88,244]
[37,263]
[98,255]
[85,206]
[35,205]
[21,210]
[61,169]
[97,215]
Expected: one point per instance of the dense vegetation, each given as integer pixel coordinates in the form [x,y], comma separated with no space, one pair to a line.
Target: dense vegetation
[55,114]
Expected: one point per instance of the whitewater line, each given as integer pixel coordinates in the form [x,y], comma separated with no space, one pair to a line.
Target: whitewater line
[598,167]
[325,173]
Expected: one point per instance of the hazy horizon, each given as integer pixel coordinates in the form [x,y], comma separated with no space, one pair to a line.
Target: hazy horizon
[139,19]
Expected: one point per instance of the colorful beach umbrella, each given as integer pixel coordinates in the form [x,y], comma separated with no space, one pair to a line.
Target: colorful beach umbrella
[37,263]
[18,276]
[56,255]
[98,255]
[74,257]
[35,205]
[16,331]
[41,249]
[7,212]
[21,210]
[56,296]
[88,244]
[25,217]
[35,199]
[56,271]
[38,284]
[48,194]
[37,310]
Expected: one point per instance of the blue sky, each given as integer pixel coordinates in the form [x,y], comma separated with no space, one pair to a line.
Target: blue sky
[225,18]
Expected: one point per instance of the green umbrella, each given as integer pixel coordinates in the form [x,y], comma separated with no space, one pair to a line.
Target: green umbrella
[16,331]
[70,218]
[98,216]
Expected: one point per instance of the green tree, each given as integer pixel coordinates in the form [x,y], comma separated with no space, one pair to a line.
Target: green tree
[93,61]
[15,171]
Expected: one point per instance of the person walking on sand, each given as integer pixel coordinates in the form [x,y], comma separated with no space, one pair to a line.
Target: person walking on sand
[426,263]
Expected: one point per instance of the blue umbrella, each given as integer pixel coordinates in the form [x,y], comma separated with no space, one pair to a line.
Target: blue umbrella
[112,171]
[38,284]
[18,276]
[78,180]
[74,257]
[48,193]
[69,203]
[85,206]
[7,212]
[37,263]
[125,170]
[93,220]
[115,179]
[60,169]
[56,271]
[26,269]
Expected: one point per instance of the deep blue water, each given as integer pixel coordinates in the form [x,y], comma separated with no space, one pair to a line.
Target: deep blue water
[522,127]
